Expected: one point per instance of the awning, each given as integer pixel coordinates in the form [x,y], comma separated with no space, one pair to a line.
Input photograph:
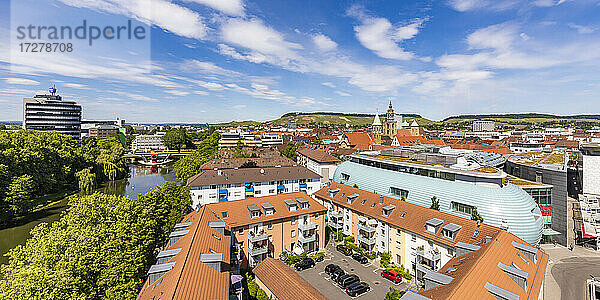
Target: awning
[550,231]
[586,234]
[280,187]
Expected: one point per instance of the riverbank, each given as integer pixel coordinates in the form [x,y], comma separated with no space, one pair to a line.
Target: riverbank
[140,181]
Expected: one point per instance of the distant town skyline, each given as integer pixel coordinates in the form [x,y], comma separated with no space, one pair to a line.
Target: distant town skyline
[233,60]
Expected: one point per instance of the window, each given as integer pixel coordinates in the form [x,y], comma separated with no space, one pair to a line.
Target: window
[255,214]
[316,216]
[448,234]
[398,232]
[450,252]
[241,231]
[269,212]
[413,237]
[398,192]
[382,244]
[538,177]
[293,221]
[293,233]
[463,208]
[382,231]
[257,192]
[272,191]
[345,177]
[398,244]
[269,226]
[224,214]
[363,202]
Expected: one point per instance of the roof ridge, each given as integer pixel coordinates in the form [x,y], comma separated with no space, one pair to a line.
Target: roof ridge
[485,251]
[188,252]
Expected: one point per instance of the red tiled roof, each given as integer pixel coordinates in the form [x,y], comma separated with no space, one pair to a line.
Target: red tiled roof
[318,156]
[284,282]
[360,140]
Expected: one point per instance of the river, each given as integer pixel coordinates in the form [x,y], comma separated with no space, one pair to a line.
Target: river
[140,181]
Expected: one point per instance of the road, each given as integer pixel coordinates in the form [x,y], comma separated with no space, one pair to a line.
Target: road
[571,274]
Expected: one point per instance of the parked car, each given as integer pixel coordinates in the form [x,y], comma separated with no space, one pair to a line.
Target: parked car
[392,275]
[356,289]
[346,282]
[340,278]
[331,268]
[344,249]
[304,264]
[319,258]
[360,258]
[337,273]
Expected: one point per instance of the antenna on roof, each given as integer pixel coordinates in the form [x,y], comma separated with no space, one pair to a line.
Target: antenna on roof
[52,89]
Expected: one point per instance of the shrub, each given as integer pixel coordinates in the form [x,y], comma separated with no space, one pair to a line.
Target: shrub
[348,239]
[385,259]
[394,294]
[404,272]
[290,259]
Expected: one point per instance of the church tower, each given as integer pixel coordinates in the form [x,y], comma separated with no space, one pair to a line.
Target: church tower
[389,124]
[377,128]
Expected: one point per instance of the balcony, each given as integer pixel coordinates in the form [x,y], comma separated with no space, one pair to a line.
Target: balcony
[366,228]
[307,236]
[430,255]
[335,225]
[366,240]
[307,226]
[335,214]
[257,237]
[258,250]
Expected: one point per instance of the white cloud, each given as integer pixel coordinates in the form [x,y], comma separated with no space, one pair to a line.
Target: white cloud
[162,13]
[230,7]
[544,3]
[21,81]
[524,36]
[581,29]
[257,37]
[324,43]
[76,86]
[329,84]
[464,5]
[495,5]
[133,96]
[498,37]
[206,67]
[213,86]
[203,93]
[381,37]
[239,106]
[343,94]
[177,93]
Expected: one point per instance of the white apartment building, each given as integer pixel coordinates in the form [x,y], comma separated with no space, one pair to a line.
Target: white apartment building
[483,126]
[52,113]
[212,186]
[319,162]
[266,139]
[148,142]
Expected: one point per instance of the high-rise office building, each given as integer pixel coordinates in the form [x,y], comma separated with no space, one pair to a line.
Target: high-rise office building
[52,113]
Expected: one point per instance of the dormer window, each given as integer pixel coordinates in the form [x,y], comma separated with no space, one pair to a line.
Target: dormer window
[387,210]
[333,192]
[351,198]
[432,225]
[225,214]
[254,211]
[291,205]
[450,231]
[268,208]
[302,202]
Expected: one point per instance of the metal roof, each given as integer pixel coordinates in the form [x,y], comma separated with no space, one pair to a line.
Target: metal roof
[438,277]
[498,291]
[253,207]
[266,205]
[167,253]
[301,200]
[182,225]
[290,202]
[513,270]
[524,247]
[467,246]
[452,227]
[211,257]
[509,203]
[352,196]
[334,190]
[178,233]
[217,224]
[161,268]
[410,295]
[434,222]
[389,207]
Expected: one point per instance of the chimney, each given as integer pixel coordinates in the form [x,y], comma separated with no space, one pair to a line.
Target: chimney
[380,199]
[219,172]
[478,223]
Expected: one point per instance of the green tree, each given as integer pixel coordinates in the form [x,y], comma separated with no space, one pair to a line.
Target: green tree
[189,165]
[435,203]
[86,180]
[101,248]
[20,194]
[475,215]
[176,138]
[290,151]
[394,294]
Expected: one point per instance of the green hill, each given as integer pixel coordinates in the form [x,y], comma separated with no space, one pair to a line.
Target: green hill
[331,118]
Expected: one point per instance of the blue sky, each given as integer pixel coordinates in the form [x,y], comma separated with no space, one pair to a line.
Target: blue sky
[222,60]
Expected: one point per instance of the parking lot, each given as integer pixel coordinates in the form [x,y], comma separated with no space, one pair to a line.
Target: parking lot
[368,273]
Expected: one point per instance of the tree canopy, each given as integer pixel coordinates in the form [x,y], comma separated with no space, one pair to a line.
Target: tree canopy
[100,248]
[189,165]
